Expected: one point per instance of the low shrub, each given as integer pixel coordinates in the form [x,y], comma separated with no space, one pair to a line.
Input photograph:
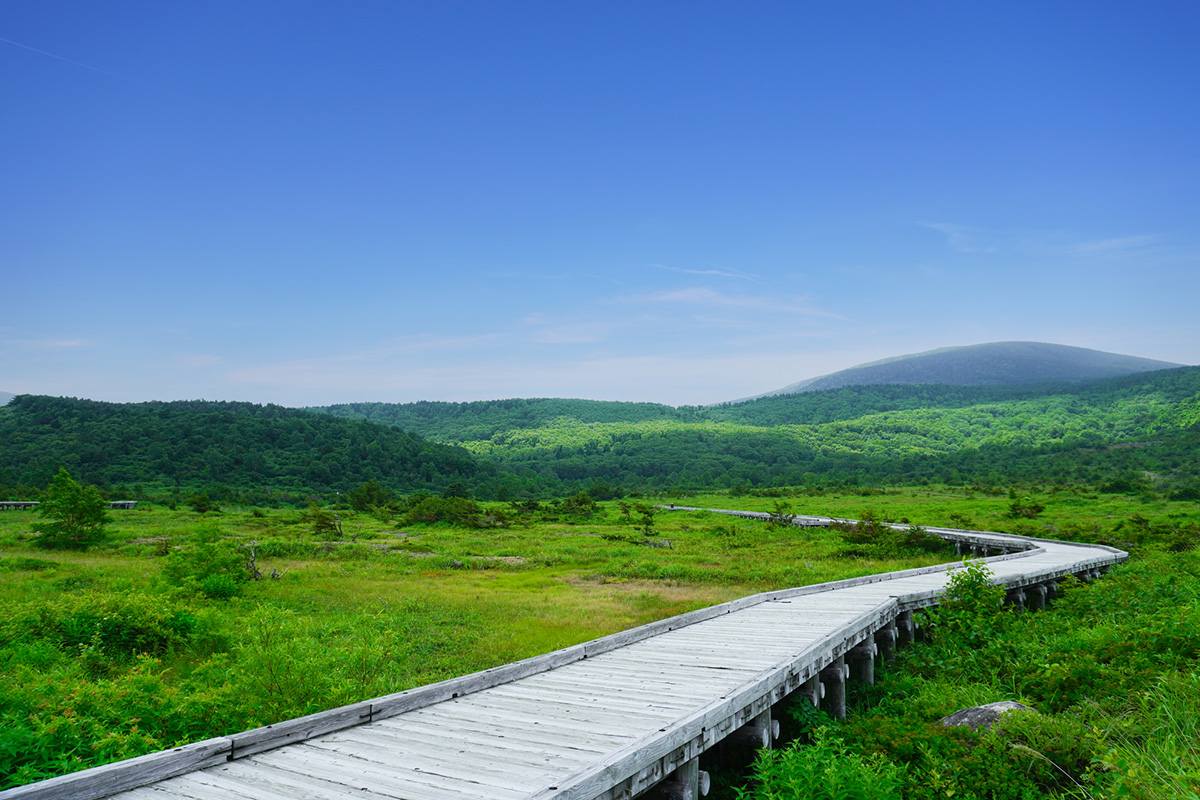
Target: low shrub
[824,770]
[970,612]
[431,509]
[210,565]
[117,625]
[872,538]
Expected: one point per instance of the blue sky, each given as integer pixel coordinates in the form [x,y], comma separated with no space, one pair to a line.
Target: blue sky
[683,202]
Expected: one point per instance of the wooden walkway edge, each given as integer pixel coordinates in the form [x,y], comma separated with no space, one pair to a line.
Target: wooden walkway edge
[605,719]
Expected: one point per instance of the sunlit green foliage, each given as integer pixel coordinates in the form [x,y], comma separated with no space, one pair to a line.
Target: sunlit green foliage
[826,769]
[73,513]
[1108,434]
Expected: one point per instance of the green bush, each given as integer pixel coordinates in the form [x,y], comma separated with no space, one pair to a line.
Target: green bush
[219,587]
[116,625]
[210,565]
[370,496]
[451,510]
[581,504]
[873,538]
[970,611]
[823,770]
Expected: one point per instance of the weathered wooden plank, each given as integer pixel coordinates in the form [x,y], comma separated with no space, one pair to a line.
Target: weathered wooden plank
[468,743]
[298,730]
[424,758]
[562,732]
[510,738]
[90,784]
[302,787]
[390,780]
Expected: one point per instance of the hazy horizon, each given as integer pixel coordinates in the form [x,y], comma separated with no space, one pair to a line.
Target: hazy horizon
[518,396]
[673,205]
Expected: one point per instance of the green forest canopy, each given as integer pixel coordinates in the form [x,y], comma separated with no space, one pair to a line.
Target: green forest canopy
[1140,431]
[266,449]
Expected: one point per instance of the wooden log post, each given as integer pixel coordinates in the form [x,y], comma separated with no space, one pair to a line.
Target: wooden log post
[908,630]
[1016,597]
[760,731]
[813,690]
[1036,597]
[834,678]
[886,639]
[863,659]
[687,782]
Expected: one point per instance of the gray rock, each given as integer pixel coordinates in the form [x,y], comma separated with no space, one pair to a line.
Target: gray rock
[982,716]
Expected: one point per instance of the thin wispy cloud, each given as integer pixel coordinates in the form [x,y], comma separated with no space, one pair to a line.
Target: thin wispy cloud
[703,296]
[1117,244]
[56,56]
[960,238]
[710,272]
[396,354]
[48,344]
[200,360]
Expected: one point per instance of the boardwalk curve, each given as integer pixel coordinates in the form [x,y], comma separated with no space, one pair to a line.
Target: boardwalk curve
[602,720]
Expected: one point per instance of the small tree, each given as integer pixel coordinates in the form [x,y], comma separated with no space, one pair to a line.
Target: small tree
[201,503]
[580,504]
[1025,507]
[646,519]
[75,514]
[781,516]
[326,524]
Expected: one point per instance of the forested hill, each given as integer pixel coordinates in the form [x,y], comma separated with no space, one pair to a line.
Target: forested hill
[991,364]
[263,449]
[461,422]
[456,422]
[480,420]
[1139,430]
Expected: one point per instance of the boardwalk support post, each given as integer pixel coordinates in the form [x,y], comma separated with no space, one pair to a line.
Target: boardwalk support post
[834,677]
[1036,597]
[813,690]
[687,782]
[886,638]
[863,659]
[1017,598]
[760,731]
[908,630]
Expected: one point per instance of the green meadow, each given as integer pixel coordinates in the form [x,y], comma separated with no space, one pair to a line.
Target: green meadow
[134,646]
[124,649]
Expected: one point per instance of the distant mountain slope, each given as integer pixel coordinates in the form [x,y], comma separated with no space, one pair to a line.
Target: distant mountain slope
[1136,430]
[235,445]
[456,422]
[992,364]
[484,419]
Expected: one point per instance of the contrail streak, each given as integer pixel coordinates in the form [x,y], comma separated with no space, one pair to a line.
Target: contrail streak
[55,56]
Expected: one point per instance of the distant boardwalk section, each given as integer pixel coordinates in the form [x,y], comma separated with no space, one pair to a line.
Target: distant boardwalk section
[23,505]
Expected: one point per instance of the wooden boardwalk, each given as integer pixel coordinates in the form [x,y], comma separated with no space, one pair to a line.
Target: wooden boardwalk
[605,719]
